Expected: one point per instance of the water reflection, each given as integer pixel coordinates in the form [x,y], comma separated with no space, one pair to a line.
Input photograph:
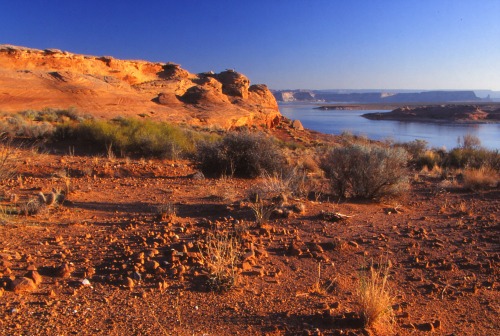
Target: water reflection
[436,134]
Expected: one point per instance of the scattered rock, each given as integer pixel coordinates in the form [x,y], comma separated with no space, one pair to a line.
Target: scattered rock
[35,276]
[23,284]
[65,270]
[426,327]
[151,265]
[128,283]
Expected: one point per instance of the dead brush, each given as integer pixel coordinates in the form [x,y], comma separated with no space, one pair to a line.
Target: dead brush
[320,287]
[32,207]
[374,299]
[220,254]
[8,164]
[166,212]
[55,197]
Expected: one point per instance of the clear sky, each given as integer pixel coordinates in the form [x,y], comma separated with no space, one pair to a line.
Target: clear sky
[314,44]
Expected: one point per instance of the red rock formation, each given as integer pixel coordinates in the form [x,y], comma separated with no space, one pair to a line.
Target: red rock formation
[107,87]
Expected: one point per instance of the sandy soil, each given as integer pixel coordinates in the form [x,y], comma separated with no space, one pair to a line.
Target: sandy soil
[443,244]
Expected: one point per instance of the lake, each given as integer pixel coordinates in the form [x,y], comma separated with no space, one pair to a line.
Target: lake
[436,134]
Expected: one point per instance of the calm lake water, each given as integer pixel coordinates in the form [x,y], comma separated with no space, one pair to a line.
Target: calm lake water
[437,135]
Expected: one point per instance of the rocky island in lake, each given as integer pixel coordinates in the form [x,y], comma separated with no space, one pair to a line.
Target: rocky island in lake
[441,113]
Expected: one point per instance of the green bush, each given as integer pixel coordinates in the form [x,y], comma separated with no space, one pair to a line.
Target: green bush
[474,158]
[241,154]
[135,137]
[53,115]
[366,171]
[415,148]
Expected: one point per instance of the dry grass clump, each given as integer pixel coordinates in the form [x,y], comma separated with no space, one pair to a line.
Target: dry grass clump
[166,212]
[262,210]
[7,162]
[375,300]
[270,193]
[320,287]
[482,178]
[220,253]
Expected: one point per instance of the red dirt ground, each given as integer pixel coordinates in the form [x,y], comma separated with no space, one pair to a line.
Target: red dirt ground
[443,245]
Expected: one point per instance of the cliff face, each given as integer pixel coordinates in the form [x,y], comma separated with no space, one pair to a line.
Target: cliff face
[107,87]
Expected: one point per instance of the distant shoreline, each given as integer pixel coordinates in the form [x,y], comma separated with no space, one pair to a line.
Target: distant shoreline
[390,107]
[449,113]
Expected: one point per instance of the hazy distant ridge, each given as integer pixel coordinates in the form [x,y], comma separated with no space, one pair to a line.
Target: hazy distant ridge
[375,97]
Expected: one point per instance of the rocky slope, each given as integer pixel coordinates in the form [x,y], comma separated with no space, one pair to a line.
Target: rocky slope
[108,87]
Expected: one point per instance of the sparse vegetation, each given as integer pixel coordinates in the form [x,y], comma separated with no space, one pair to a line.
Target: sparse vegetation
[375,300]
[139,137]
[221,253]
[367,171]
[32,207]
[262,210]
[7,162]
[166,212]
[482,178]
[472,158]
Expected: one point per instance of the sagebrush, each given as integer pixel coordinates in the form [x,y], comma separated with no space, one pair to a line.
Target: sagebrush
[241,154]
[366,171]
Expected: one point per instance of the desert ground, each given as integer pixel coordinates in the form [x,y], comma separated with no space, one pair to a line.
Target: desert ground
[125,253]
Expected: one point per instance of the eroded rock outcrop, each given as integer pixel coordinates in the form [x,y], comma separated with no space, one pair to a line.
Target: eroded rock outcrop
[108,87]
[448,113]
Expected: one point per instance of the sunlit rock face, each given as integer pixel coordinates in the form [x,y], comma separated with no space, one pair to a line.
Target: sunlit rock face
[107,87]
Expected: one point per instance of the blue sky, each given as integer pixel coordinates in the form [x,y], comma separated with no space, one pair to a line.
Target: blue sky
[315,44]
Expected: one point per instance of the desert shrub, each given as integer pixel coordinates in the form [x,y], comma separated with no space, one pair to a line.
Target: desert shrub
[469,141]
[415,148]
[136,137]
[473,158]
[348,138]
[367,171]
[374,299]
[428,159]
[17,126]
[482,178]
[241,154]
[37,124]
[53,115]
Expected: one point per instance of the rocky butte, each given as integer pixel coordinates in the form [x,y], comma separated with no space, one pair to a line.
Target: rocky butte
[107,87]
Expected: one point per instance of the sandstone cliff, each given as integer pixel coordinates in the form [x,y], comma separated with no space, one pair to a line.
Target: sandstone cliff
[108,87]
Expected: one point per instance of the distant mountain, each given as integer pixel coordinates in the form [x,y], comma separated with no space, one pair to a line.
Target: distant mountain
[368,96]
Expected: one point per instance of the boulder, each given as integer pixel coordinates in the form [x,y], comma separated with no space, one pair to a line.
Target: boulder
[234,83]
[173,71]
[23,284]
[296,124]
